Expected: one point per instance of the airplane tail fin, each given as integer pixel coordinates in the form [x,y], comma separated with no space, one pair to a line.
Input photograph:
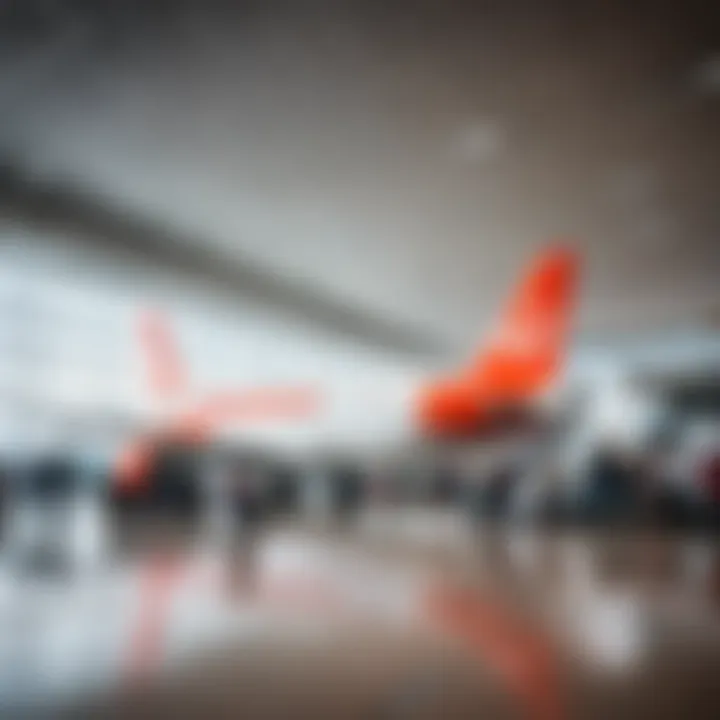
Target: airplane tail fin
[527,348]
[165,371]
[166,381]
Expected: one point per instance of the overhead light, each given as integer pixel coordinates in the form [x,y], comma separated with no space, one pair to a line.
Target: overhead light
[707,75]
[480,142]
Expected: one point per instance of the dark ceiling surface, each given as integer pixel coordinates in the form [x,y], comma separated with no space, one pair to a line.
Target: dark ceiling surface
[395,161]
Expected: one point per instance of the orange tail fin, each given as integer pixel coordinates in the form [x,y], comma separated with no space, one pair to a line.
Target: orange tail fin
[166,374]
[527,348]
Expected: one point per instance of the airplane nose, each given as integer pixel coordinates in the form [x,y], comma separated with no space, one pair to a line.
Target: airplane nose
[447,408]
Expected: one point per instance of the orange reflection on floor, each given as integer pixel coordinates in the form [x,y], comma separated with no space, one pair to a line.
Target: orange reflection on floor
[497,638]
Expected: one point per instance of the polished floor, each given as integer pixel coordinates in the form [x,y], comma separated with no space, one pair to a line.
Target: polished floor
[413,614]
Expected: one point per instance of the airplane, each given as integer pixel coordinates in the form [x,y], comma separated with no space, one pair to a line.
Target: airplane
[509,378]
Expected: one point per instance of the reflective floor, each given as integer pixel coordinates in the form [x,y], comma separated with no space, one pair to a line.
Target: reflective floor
[413,614]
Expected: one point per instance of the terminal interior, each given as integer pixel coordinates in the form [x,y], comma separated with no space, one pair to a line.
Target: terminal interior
[242,243]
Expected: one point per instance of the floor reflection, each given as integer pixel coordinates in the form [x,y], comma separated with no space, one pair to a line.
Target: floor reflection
[549,626]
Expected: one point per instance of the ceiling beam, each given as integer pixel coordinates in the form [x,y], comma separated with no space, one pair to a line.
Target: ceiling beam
[68,209]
